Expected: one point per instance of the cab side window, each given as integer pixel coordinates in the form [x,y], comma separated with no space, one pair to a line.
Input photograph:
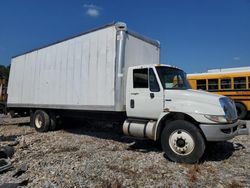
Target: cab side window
[153,83]
[140,78]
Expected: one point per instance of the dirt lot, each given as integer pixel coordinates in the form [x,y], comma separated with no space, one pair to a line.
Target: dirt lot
[83,155]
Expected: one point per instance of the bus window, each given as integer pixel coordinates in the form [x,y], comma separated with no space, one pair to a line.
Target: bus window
[201,84]
[240,83]
[212,84]
[248,82]
[225,83]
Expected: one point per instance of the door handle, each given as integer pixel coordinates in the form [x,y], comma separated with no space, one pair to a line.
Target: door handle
[132,103]
[152,95]
[168,99]
[134,93]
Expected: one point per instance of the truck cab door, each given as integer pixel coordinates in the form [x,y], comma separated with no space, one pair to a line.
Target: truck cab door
[144,94]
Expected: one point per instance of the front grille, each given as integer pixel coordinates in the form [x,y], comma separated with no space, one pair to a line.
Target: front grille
[229,130]
[226,131]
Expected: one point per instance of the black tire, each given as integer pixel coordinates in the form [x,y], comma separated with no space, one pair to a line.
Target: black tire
[31,118]
[53,122]
[241,110]
[41,121]
[2,109]
[12,113]
[7,152]
[183,130]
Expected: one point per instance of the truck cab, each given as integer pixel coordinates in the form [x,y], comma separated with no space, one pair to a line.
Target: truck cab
[161,105]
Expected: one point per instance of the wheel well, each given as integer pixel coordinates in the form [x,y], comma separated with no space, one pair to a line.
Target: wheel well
[239,102]
[171,117]
[243,111]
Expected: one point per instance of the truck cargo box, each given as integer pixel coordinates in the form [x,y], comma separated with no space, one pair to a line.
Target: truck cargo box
[81,72]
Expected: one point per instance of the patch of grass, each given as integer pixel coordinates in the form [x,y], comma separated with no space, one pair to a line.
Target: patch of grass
[192,173]
[113,183]
[126,158]
[66,149]
[121,169]
[234,184]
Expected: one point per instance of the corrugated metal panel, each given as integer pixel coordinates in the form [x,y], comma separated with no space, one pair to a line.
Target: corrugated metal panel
[77,72]
[15,85]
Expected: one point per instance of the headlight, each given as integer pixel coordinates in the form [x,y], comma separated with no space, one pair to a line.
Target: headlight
[217,119]
[229,108]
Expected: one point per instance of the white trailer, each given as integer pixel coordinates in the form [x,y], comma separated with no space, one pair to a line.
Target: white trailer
[111,72]
[81,73]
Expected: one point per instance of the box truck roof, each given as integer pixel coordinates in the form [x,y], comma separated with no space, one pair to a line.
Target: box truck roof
[119,25]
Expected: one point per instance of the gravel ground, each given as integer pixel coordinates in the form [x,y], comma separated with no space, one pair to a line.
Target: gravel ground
[83,155]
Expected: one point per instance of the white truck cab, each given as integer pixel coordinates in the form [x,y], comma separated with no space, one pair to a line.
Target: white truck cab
[161,105]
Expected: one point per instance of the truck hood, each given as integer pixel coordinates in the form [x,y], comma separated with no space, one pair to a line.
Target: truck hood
[193,101]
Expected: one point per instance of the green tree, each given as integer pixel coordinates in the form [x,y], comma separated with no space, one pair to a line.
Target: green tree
[5,70]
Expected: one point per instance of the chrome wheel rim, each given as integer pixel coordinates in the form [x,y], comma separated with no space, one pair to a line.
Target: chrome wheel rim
[181,142]
[38,121]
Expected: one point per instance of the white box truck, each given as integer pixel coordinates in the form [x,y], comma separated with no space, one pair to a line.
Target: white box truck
[113,73]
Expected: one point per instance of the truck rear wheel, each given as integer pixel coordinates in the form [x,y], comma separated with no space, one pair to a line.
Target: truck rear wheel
[182,142]
[41,121]
[241,110]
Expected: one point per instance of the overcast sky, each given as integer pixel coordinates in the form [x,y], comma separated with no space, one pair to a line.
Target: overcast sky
[195,35]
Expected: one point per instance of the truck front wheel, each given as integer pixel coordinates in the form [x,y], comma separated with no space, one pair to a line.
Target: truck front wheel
[182,142]
[41,121]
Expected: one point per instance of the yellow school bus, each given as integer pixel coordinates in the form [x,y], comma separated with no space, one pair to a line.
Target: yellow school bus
[231,82]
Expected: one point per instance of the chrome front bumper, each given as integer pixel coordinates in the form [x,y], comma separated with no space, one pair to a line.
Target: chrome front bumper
[221,132]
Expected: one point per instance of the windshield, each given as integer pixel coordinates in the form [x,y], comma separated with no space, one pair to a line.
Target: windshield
[172,78]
